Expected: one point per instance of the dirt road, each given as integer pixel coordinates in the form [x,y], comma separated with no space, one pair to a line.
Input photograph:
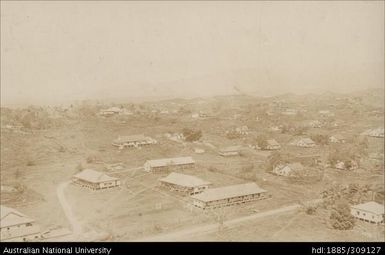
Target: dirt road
[183,235]
[75,224]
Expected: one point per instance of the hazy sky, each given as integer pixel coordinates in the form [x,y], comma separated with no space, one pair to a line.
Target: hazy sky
[73,50]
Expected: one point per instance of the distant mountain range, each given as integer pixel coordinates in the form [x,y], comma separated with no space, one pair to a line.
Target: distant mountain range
[259,83]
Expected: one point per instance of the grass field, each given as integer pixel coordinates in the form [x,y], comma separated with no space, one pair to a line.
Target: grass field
[37,162]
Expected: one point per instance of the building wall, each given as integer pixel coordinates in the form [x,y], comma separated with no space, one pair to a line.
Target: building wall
[230,153]
[83,183]
[367,216]
[147,167]
[184,189]
[229,201]
[273,147]
[109,184]
[199,189]
[168,168]
[282,172]
[132,144]
[21,232]
[96,186]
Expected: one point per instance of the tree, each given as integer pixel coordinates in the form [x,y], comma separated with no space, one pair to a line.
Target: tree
[320,139]
[310,210]
[353,193]
[340,217]
[191,135]
[262,141]
[232,134]
[273,160]
[183,110]
[340,153]
[300,130]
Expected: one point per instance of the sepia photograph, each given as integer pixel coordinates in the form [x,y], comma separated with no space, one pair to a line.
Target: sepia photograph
[191,121]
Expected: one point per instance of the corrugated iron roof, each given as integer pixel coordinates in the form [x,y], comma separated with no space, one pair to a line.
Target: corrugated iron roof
[184,180]
[94,176]
[170,161]
[229,192]
[132,138]
[371,206]
[231,148]
[11,217]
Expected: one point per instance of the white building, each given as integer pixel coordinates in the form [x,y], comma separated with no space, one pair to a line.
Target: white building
[342,165]
[370,212]
[95,180]
[337,139]
[289,169]
[187,184]
[377,132]
[110,111]
[304,142]
[230,151]
[228,195]
[272,144]
[199,151]
[315,124]
[176,137]
[244,130]
[133,141]
[167,164]
[15,226]
[290,112]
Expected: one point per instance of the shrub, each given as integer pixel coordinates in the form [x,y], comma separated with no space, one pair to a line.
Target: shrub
[310,210]
[262,141]
[191,135]
[80,167]
[31,163]
[233,135]
[90,159]
[340,217]
[212,169]
[320,139]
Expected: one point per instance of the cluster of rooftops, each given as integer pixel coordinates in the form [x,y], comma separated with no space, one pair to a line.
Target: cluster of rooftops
[191,185]
[16,226]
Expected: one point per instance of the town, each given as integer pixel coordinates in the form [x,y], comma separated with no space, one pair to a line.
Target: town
[137,122]
[237,167]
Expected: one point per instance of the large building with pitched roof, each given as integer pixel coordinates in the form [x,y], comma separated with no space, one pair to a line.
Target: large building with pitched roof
[230,151]
[169,164]
[184,183]
[304,142]
[16,226]
[133,141]
[372,212]
[95,180]
[229,195]
[272,144]
[288,169]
